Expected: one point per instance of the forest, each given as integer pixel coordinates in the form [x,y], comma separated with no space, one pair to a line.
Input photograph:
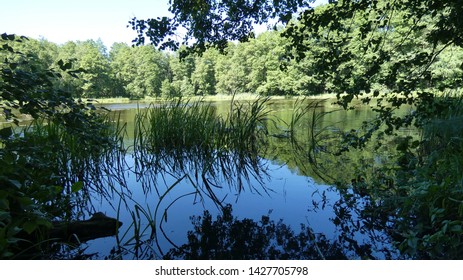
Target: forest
[402,60]
[261,66]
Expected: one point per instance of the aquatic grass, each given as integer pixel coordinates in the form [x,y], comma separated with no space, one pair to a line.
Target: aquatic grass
[189,142]
[310,139]
[56,169]
[77,162]
[181,137]
[141,237]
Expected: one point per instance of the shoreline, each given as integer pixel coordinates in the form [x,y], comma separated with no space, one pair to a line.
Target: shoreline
[222,97]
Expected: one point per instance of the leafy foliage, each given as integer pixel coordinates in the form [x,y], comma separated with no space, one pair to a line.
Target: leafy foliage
[387,54]
[212,23]
[44,167]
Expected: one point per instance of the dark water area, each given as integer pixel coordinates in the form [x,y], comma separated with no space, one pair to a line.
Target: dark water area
[156,208]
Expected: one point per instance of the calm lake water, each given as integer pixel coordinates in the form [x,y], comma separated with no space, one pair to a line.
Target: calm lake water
[289,190]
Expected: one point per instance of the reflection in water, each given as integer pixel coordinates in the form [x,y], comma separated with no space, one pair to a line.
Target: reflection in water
[270,189]
[245,239]
[228,237]
[297,209]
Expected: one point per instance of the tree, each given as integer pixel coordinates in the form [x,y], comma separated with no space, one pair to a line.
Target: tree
[384,35]
[387,54]
[203,78]
[181,74]
[213,22]
[38,178]
[232,71]
[390,43]
[267,78]
[91,60]
[92,57]
[139,70]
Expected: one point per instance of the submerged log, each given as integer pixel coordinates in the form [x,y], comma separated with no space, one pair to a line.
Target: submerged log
[99,225]
[40,244]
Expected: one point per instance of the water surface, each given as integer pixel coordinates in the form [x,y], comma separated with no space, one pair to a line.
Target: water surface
[289,190]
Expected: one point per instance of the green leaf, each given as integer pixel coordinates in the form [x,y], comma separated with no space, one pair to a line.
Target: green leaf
[29,227]
[44,222]
[24,201]
[6,133]
[77,186]
[4,204]
[4,215]
[456,228]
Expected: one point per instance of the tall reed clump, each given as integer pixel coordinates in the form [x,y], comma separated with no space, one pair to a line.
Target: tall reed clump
[190,137]
[177,127]
[190,142]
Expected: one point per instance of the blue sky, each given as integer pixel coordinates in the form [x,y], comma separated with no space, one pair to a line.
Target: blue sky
[60,21]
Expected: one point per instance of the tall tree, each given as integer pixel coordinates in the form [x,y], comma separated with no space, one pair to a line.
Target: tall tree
[140,70]
[90,57]
[203,78]
[391,43]
[181,74]
[232,72]
[382,34]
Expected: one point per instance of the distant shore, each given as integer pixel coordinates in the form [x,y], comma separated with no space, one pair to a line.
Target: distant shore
[218,97]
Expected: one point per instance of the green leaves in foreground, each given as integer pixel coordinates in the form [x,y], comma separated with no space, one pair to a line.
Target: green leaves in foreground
[47,166]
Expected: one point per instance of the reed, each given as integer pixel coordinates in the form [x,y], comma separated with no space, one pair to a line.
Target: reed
[56,168]
[190,143]
[78,161]
[313,143]
[190,137]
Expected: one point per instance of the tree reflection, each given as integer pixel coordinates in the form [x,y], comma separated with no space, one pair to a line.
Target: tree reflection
[230,238]
[227,237]
[362,231]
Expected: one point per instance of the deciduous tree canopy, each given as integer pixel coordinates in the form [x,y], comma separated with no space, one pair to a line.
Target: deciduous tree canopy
[213,22]
[364,48]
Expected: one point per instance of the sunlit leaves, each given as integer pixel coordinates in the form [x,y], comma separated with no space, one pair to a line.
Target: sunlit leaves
[138,71]
[213,23]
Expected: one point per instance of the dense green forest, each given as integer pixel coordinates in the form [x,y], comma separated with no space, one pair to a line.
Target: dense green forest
[262,66]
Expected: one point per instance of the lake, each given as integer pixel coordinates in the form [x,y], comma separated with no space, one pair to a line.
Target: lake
[156,207]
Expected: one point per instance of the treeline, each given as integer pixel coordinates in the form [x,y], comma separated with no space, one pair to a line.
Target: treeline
[138,72]
[260,66]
